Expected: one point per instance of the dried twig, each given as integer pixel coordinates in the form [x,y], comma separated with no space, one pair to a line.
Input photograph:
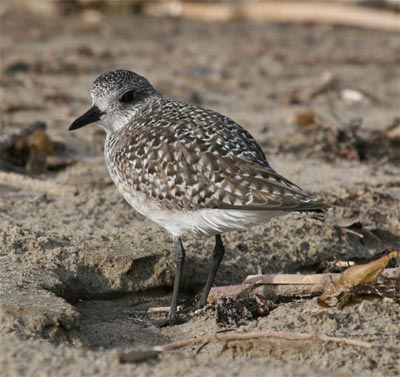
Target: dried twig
[291,279]
[292,336]
[162,309]
[327,83]
[282,11]
[311,279]
[201,347]
[353,232]
[234,291]
[283,285]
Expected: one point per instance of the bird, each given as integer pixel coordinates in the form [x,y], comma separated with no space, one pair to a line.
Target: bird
[191,170]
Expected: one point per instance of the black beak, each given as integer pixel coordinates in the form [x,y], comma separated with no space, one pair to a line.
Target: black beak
[92,115]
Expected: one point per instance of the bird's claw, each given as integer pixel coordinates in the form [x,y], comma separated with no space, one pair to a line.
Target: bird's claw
[169,321]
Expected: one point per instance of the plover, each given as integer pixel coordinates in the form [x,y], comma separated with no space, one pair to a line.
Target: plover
[190,170]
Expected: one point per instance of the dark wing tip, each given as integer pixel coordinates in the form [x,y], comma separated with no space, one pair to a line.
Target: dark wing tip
[316,207]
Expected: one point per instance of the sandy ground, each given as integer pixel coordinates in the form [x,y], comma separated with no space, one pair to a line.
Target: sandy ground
[77,263]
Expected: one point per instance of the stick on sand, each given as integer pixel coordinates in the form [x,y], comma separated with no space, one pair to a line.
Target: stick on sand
[292,336]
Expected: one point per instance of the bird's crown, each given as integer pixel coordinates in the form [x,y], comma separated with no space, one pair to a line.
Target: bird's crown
[117,81]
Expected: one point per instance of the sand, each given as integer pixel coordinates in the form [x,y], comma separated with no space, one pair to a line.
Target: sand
[78,264]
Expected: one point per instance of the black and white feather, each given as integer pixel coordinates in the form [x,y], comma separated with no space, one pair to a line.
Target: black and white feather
[189,169]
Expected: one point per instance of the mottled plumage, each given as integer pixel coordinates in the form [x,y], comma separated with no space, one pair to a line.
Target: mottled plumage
[187,158]
[189,169]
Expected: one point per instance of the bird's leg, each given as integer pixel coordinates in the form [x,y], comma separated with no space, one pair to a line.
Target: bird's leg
[217,256]
[172,318]
[180,261]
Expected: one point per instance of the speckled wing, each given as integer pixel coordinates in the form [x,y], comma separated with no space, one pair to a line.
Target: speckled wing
[190,158]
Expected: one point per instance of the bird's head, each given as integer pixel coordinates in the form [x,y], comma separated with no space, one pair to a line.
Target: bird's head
[117,96]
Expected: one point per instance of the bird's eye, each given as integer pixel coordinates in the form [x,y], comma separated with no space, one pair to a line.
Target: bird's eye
[127,97]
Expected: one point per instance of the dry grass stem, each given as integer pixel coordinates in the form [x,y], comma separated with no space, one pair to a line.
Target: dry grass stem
[292,336]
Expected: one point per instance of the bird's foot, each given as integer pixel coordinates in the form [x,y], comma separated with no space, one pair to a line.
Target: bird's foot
[169,321]
[179,318]
[199,305]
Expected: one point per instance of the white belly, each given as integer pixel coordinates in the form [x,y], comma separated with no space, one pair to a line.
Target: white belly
[209,222]
[201,222]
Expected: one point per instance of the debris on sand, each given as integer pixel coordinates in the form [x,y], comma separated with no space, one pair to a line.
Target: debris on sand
[361,281]
[326,83]
[33,151]
[352,95]
[239,312]
[137,356]
[238,304]
[316,137]
[353,144]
